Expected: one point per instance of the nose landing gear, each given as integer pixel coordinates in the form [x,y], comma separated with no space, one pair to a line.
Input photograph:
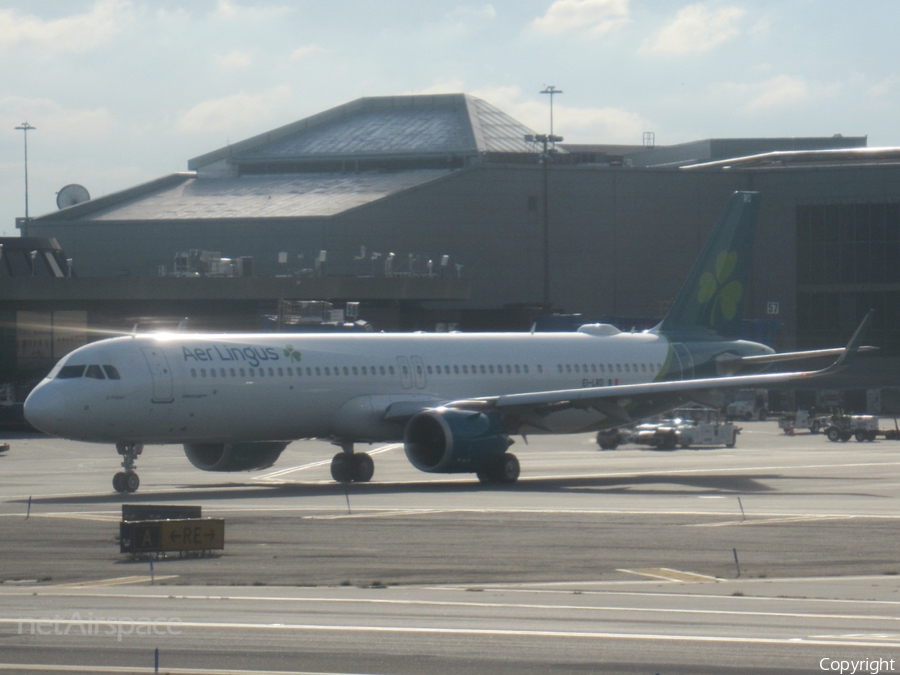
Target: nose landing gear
[127,481]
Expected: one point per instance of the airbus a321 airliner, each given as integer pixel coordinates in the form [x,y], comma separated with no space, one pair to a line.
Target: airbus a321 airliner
[454,400]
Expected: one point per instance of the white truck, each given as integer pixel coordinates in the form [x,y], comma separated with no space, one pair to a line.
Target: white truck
[749,404]
[705,429]
[802,420]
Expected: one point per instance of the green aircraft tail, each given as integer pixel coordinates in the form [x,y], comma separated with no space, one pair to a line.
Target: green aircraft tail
[712,298]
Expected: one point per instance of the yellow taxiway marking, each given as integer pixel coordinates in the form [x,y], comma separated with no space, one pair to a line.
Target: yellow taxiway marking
[376,514]
[115,581]
[78,516]
[670,575]
[774,520]
[273,476]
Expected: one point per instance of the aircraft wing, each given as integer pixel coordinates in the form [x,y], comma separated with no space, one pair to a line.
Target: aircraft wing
[728,364]
[615,401]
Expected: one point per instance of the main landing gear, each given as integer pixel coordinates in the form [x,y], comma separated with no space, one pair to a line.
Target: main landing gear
[127,481]
[502,469]
[350,467]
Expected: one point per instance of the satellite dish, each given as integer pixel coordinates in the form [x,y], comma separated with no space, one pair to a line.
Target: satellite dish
[71,195]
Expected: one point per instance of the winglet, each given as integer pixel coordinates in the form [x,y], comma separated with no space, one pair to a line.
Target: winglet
[852,347]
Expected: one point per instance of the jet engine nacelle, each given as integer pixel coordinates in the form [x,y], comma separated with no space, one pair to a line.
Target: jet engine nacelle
[233,456]
[444,440]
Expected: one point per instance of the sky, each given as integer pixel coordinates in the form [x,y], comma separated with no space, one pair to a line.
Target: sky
[121,92]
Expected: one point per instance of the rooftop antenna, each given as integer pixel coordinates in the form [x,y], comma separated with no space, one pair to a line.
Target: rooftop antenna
[25,128]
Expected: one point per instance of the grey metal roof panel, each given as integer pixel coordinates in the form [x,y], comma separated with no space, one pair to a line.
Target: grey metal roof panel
[385,131]
[495,131]
[265,196]
[456,124]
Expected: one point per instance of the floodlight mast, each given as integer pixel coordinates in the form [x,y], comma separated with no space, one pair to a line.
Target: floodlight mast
[546,153]
[552,90]
[25,128]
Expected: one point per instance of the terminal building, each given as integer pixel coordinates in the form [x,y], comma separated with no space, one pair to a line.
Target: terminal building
[447,189]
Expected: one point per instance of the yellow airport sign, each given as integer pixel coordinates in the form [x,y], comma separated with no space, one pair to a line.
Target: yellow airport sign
[194,534]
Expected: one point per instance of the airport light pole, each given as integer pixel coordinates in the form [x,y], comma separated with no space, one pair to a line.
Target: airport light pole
[25,128]
[546,153]
[552,90]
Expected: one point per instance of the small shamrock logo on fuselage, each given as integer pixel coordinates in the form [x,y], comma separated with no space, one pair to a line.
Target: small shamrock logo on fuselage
[722,293]
[291,353]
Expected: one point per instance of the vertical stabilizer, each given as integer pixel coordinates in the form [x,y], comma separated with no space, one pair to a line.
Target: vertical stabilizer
[713,297]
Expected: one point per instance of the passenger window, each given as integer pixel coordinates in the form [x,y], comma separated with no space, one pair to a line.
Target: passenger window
[517,369]
[212,372]
[465,370]
[391,369]
[364,371]
[203,372]
[456,370]
[112,373]
[280,373]
[327,370]
[355,370]
[428,369]
[346,370]
[381,369]
[568,368]
[193,372]
[508,369]
[483,370]
[241,371]
[540,369]
[95,372]
[232,372]
[271,372]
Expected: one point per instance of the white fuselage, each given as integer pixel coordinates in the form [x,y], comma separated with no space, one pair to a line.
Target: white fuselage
[182,388]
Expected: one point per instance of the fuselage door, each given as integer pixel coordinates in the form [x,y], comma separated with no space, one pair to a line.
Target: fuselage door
[418,369]
[683,360]
[405,372]
[161,374]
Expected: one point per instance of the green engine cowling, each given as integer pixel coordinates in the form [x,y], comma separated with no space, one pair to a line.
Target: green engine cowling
[233,456]
[444,440]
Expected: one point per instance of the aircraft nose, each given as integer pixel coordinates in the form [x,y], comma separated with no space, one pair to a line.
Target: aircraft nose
[43,409]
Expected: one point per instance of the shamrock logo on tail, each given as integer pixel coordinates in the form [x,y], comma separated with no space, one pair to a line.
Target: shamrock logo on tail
[291,353]
[723,293]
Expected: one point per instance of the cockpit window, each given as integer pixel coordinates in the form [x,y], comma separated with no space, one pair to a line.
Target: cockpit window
[70,372]
[112,373]
[95,372]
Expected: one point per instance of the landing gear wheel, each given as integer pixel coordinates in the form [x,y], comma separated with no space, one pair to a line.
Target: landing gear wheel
[342,467]
[509,468]
[131,482]
[119,482]
[503,469]
[363,468]
[127,481]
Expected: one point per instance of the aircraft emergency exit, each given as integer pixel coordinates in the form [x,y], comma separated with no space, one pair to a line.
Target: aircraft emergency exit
[234,401]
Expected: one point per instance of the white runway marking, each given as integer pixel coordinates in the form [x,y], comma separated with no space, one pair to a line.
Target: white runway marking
[865,640]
